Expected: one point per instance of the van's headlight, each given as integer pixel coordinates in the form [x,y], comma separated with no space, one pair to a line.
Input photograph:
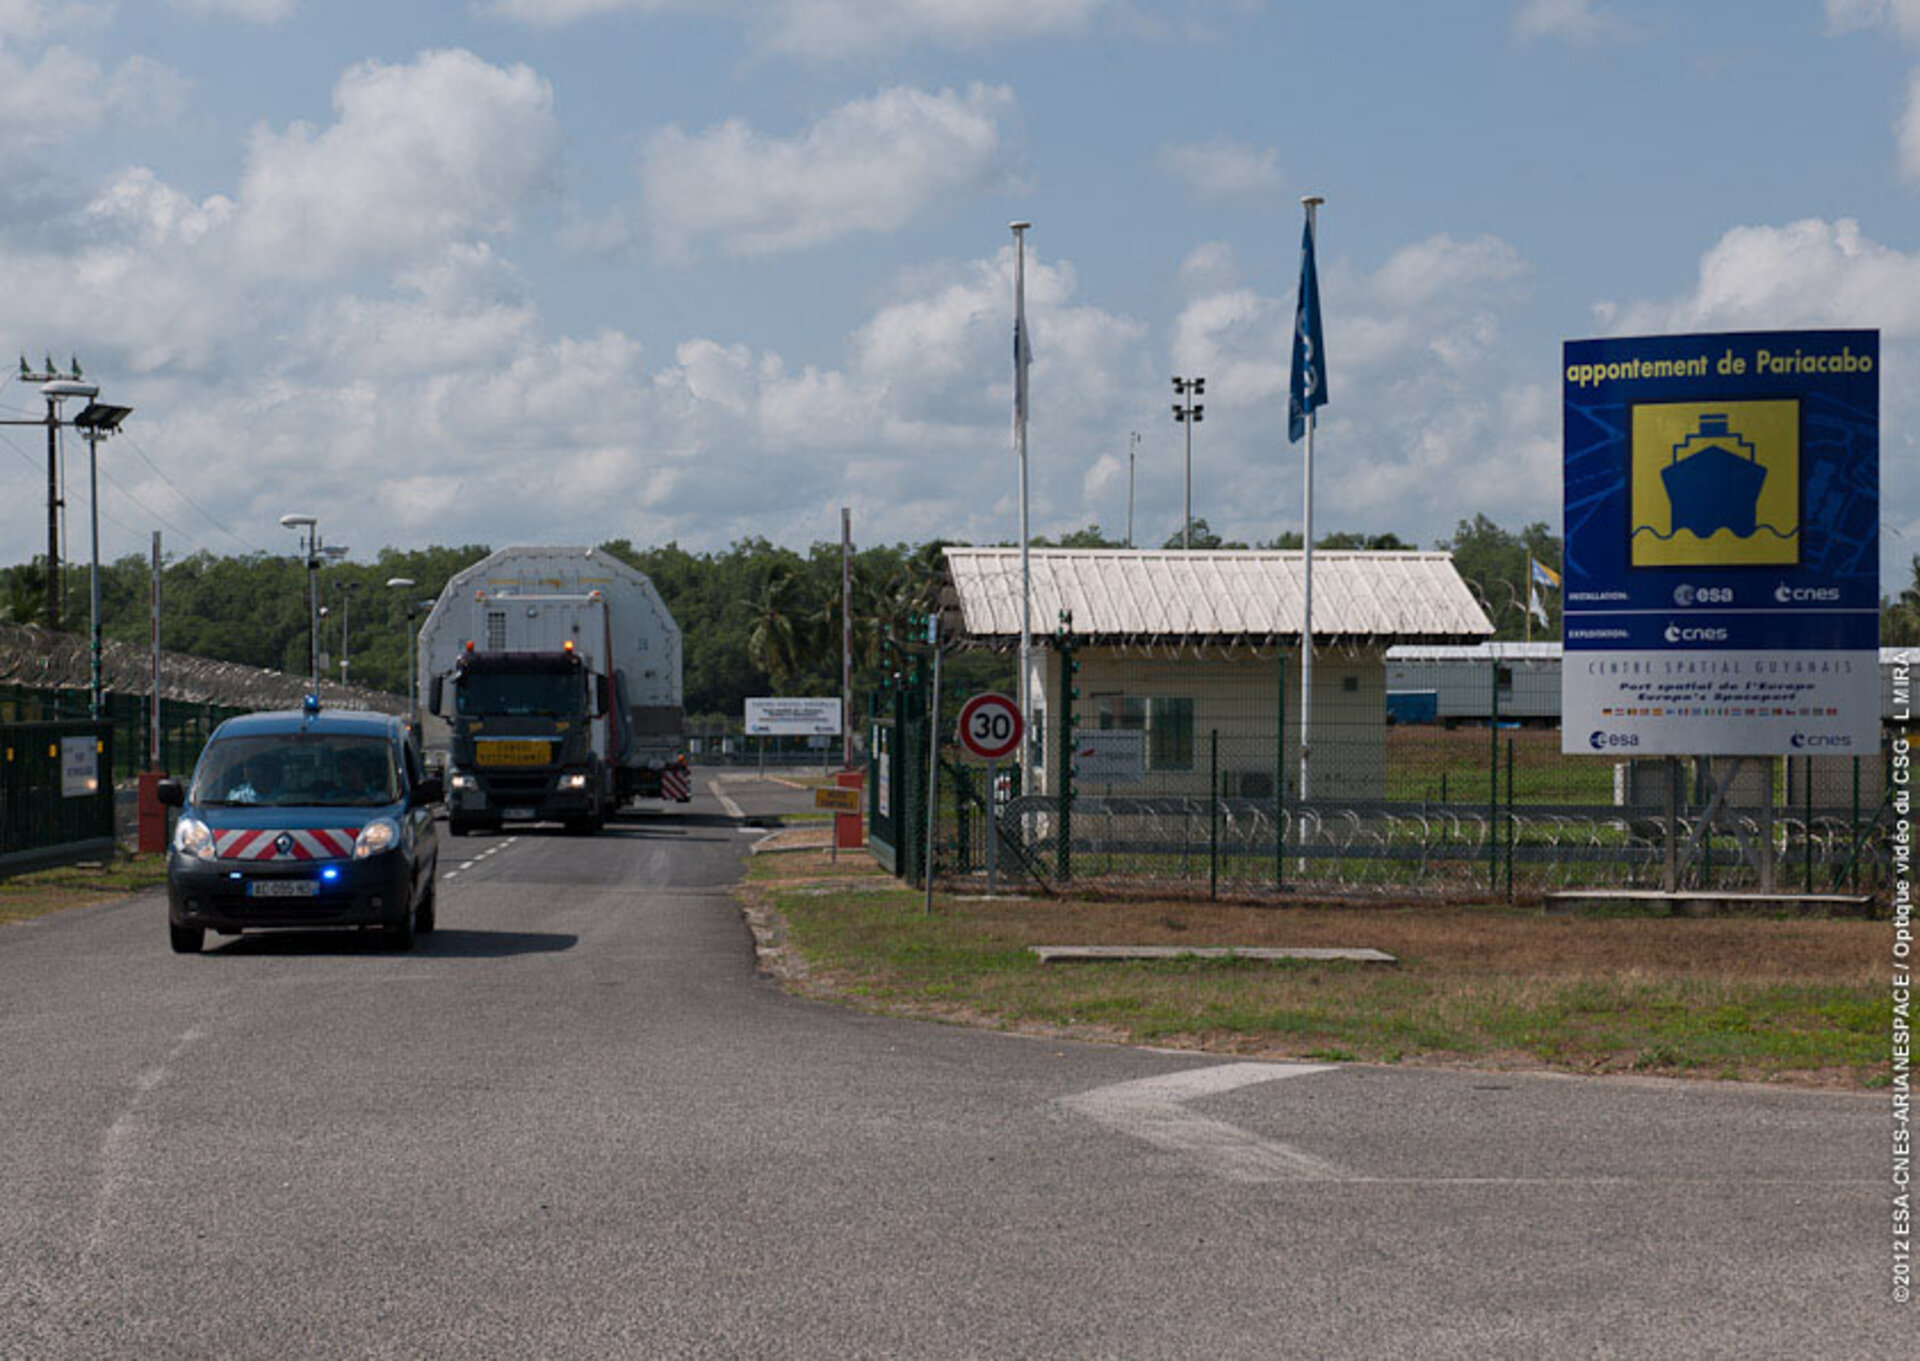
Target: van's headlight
[379,835]
[573,782]
[191,837]
[461,780]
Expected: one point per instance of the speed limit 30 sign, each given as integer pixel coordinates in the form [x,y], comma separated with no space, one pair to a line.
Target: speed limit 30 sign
[990,727]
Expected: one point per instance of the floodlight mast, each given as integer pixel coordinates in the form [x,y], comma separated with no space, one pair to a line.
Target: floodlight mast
[98,421]
[407,584]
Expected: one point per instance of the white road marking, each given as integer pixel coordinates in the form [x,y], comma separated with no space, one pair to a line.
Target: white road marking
[1154,1110]
[732,809]
[117,1152]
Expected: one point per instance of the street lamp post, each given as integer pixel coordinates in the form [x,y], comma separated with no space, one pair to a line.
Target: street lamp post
[347,588]
[99,420]
[1188,413]
[407,584]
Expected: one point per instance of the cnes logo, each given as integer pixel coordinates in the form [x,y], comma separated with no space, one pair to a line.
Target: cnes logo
[1676,634]
[1795,595]
[1805,740]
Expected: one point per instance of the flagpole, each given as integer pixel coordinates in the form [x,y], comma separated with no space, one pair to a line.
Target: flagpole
[1019,230]
[1312,202]
[1529,599]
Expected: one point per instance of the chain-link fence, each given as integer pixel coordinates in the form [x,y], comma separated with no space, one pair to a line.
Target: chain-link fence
[1181,771]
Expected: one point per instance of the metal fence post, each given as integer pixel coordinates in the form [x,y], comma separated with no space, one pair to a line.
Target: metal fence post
[1807,822]
[1853,861]
[1493,779]
[1280,781]
[1509,819]
[1213,815]
[1069,692]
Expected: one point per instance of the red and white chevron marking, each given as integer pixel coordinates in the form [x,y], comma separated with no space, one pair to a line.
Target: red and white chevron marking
[674,785]
[319,843]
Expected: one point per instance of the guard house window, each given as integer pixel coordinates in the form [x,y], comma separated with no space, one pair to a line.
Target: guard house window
[1168,724]
[496,630]
[1503,677]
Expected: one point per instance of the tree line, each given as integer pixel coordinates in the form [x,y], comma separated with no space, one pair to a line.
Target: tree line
[757,618]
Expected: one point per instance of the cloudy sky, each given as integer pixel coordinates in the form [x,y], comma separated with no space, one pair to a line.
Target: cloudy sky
[563,270]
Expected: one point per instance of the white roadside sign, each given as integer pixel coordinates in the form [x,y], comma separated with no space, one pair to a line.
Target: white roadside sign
[793,717]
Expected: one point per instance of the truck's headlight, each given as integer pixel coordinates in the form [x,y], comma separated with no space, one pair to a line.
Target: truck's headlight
[192,837]
[379,835]
[460,780]
[573,782]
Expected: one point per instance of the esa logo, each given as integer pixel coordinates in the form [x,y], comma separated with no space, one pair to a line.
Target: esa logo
[1601,740]
[1794,595]
[1803,741]
[1686,594]
[1676,634]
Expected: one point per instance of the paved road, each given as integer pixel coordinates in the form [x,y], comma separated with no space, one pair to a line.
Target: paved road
[575,1123]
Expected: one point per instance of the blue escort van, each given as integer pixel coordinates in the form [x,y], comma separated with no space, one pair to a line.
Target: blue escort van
[299,820]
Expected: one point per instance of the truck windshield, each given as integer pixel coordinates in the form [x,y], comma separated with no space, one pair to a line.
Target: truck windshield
[495,693]
[303,770]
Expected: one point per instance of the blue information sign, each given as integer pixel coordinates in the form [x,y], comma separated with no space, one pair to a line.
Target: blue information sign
[1722,581]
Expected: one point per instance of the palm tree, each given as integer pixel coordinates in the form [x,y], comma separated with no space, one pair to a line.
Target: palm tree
[773,641]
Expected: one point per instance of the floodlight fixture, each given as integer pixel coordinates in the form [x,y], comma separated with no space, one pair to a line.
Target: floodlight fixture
[102,417]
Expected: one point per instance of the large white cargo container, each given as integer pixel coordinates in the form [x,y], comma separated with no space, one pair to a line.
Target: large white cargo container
[550,678]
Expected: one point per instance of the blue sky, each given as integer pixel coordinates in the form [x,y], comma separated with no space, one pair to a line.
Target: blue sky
[563,270]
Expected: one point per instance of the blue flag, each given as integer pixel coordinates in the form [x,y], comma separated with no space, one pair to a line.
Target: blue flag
[1309,354]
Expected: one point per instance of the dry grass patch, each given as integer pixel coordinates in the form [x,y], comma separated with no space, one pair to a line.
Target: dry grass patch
[27,896]
[1794,1000]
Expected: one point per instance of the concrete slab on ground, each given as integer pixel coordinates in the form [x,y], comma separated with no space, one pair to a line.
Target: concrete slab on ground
[1085,954]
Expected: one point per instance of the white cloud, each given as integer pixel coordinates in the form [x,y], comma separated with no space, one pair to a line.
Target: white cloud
[444,148]
[874,165]
[558,13]
[1572,21]
[1907,131]
[24,21]
[246,11]
[1223,169]
[1903,16]
[64,94]
[838,28]
[1807,273]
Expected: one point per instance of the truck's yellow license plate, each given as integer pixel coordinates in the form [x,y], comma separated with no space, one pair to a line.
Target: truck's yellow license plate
[512,753]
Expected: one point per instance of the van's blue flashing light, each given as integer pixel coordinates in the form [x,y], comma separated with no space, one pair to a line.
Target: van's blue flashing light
[310,704]
[329,875]
[233,874]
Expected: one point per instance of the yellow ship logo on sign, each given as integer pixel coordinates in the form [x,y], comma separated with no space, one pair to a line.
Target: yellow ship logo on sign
[1716,484]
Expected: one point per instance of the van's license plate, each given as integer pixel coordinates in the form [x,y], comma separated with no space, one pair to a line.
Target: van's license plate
[517,814]
[282,888]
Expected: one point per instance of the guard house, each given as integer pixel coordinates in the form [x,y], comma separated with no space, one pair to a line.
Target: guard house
[1181,653]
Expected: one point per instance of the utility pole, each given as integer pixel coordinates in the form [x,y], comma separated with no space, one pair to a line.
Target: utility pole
[54,385]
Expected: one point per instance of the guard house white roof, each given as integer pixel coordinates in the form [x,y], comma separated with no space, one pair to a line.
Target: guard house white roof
[1123,596]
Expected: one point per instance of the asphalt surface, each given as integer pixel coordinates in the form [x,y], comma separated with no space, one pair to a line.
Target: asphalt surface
[575,1122]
